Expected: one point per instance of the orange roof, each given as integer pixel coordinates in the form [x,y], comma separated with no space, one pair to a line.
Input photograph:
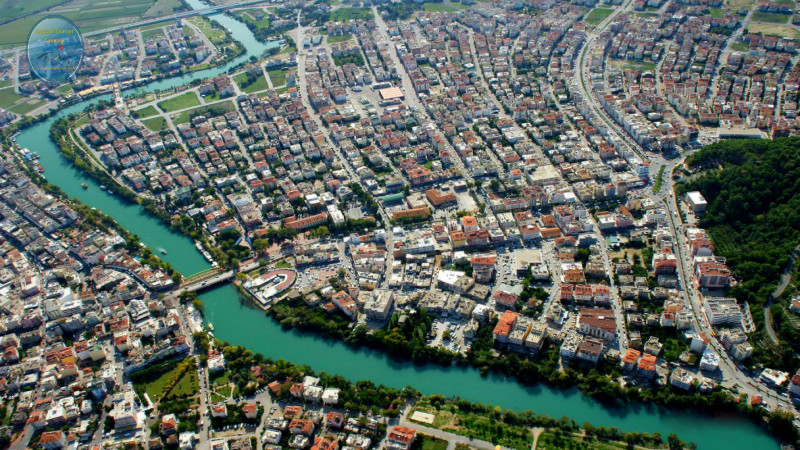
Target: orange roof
[648,362]
[483,260]
[505,323]
[631,355]
[469,221]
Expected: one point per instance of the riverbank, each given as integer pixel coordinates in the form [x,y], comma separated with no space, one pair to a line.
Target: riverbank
[406,343]
[500,427]
[236,321]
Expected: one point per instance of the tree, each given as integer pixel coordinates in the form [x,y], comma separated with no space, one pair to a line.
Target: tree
[495,185]
[259,245]
[198,304]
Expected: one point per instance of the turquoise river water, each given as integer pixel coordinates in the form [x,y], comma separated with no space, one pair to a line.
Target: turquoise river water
[237,322]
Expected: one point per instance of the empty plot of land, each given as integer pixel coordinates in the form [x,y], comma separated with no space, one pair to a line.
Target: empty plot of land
[183,101]
[278,77]
[155,124]
[597,15]
[773,30]
[185,116]
[348,14]
[759,16]
[442,7]
[259,84]
[342,38]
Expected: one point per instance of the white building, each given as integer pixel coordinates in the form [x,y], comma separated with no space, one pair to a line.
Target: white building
[697,203]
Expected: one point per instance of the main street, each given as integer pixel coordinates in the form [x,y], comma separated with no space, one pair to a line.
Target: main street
[731,376]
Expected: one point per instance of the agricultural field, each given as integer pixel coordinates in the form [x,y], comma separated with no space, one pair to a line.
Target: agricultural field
[13,9]
[88,15]
[348,14]
[183,101]
[164,7]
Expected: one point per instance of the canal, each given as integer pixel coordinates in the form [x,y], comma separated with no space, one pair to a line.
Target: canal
[237,322]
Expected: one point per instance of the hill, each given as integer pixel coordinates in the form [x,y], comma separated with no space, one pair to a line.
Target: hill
[753,193]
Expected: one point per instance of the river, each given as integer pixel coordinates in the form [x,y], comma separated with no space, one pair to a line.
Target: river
[237,322]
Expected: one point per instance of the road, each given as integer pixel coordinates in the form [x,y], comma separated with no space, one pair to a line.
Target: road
[785,279]
[731,376]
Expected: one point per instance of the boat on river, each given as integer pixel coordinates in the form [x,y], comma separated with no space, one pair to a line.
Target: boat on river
[84,186]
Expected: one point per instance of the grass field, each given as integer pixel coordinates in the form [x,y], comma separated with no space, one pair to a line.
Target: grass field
[443,7]
[215,35]
[597,15]
[737,4]
[342,38]
[152,34]
[249,15]
[27,106]
[348,14]
[634,65]
[716,13]
[773,30]
[187,385]
[430,443]
[476,426]
[153,388]
[553,440]
[278,77]
[183,101]
[155,124]
[259,85]
[6,83]
[147,111]
[759,16]
[8,97]
[740,46]
[184,116]
[15,8]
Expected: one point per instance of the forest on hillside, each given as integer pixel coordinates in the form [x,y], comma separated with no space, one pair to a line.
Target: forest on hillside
[753,193]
